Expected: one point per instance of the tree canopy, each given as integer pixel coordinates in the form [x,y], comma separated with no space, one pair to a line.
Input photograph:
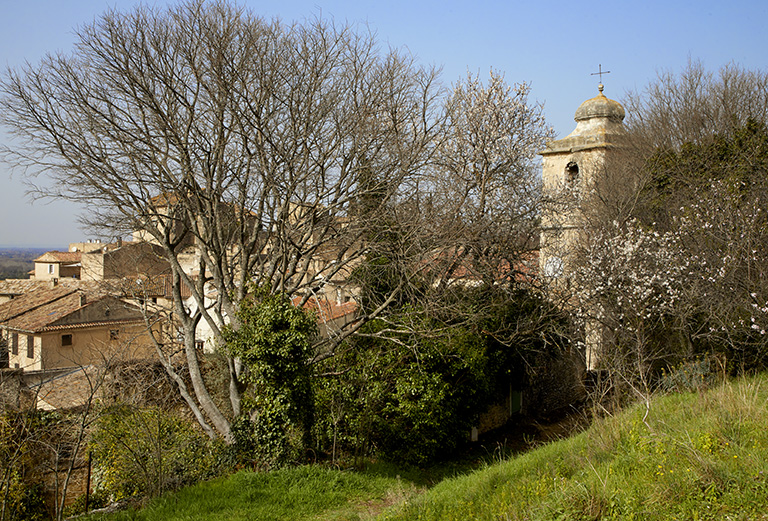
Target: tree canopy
[679,273]
[284,154]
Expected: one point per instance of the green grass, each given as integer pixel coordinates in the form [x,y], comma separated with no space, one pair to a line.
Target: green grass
[310,492]
[695,456]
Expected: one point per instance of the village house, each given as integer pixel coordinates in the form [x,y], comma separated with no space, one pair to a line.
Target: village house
[123,259]
[94,260]
[67,326]
[57,265]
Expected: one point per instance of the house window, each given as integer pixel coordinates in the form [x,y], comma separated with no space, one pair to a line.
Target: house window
[30,346]
[114,334]
[14,343]
[66,340]
[199,344]
[50,269]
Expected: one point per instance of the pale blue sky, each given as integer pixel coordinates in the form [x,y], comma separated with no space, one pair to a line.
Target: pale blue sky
[552,45]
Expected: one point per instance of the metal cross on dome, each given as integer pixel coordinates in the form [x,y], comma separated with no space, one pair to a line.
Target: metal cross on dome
[600,72]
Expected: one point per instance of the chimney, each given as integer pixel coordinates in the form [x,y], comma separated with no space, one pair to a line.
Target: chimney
[119,242]
[83,299]
[54,282]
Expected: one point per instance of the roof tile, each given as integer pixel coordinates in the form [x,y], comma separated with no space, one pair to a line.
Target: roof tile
[60,256]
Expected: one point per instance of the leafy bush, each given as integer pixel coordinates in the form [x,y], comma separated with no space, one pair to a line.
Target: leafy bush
[22,499]
[695,375]
[414,397]
[96,499]
[145,452]
[406,403]
[26,441]
[274,343]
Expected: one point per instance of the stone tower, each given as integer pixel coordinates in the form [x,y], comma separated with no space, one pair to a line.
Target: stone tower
[576,169]
[572,168]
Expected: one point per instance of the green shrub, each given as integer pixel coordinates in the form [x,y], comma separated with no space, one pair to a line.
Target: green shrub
[97,499]
[693,375]
[274,343]
[26,439]
[145,452]
[23,501]
[415,397]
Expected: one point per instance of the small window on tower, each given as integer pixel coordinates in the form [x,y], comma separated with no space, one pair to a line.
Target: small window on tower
[572,173]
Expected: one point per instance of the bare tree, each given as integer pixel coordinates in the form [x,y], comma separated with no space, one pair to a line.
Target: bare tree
[473,221]
[487,184]
[288,155]
[239,143]
[695,104]
[674,266]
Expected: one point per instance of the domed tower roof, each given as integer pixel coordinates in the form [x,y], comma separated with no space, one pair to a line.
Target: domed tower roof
[599,124]
[600,107]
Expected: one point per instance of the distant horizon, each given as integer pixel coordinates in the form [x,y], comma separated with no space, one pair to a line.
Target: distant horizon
[32,247]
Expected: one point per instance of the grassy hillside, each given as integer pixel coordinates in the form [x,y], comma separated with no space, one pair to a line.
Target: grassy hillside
[695,456]
[692,456]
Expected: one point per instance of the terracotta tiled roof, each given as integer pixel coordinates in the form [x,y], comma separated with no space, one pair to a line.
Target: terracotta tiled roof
[39,310]
[21,286]
[67,257]
[159,286]
[31,301]
[165,199]
[68,390]
[327,309]
[79,325]
[524,269]
[17,287]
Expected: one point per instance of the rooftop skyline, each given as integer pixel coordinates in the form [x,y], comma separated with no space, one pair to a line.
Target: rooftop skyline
[555,47]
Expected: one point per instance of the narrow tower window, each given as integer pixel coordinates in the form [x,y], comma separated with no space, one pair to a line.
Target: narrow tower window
[572,173]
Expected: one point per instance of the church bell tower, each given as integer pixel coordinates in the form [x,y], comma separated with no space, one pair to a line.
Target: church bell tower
[575,170]
[572,168]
